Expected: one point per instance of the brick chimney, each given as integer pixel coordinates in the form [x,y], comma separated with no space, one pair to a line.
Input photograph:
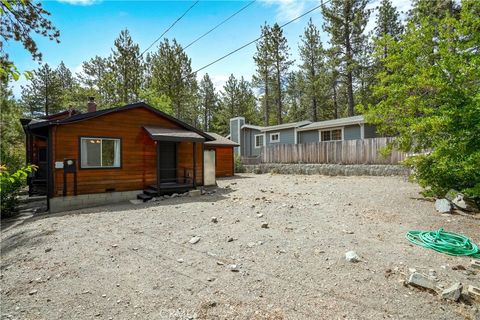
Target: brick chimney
[91,105]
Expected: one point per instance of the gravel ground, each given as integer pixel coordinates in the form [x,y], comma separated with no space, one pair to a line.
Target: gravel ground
[136,262]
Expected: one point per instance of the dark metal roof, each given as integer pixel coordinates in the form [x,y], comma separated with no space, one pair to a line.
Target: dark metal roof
[166,134]
[220,141]
[95,114]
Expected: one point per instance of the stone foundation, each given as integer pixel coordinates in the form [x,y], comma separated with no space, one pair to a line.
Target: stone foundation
[59,204]
[329,169]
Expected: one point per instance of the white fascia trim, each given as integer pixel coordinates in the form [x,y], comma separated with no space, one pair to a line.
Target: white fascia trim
[295,136]
[274,133]
[362,131]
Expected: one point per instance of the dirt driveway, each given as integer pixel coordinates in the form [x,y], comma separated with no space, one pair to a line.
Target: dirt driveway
[136,262]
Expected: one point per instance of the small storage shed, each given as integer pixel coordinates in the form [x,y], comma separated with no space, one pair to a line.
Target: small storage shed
[224,161]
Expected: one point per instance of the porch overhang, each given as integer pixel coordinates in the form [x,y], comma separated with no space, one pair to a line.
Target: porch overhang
[176,135]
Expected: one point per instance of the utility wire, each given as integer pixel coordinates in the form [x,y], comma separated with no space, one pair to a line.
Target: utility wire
[218,25]
[171,26]
[253,41]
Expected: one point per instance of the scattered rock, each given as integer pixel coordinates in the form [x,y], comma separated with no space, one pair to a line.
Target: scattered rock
[104,295]
[419,280]
[458,267]
[251,244]
[32,292]
[194,193]
[259,215]
[474,292]
[214,219]
[463,203]
[180,260]
[174,195]
[348,232]
[265,225]
[194,240]
[351,256]
[114,245]
[220,263]
[475,264]
[233,268]
[412,270]
[453,293]
[48,249]
[230,239]
[443,206]
[136,201]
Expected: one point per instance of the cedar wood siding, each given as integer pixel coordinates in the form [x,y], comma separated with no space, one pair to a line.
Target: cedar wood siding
[223,160]
[138,152]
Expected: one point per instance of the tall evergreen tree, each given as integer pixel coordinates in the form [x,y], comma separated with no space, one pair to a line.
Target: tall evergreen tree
[43,93]
[127,68]
[280,59]
[263,77]
[172,76]
[387,23]
[345,21]
[312,66]
[208,101]
[97,77]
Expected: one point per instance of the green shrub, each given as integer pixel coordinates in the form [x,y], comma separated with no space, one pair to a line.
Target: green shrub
[238,165]
[10,185]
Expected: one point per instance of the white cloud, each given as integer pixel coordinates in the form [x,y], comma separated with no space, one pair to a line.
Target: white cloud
[79,2]
[287,9]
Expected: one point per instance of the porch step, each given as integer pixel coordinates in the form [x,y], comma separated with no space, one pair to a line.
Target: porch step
[144,197]
[150,192]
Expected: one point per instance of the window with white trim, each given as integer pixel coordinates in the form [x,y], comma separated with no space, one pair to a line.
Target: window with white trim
[331,135]
[275,137]
[99,152]
[258,140]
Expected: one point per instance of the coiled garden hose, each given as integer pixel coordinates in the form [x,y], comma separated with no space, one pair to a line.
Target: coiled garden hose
[450,243]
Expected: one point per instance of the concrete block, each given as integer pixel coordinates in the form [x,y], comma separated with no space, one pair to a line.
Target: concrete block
[422,281]
[453,293]
[474,292]
[194,193]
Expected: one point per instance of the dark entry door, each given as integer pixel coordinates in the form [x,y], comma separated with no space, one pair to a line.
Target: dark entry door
[168,161]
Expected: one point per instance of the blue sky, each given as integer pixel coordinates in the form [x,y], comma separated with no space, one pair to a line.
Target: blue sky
[89,27]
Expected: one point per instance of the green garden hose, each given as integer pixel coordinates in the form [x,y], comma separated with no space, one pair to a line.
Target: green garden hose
[450,243]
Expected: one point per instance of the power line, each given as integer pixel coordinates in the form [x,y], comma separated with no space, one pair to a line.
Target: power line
[218,25]
[171,26]
[253,41]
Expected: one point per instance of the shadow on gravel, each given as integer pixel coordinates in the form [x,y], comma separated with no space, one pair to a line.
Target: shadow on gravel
[24,238]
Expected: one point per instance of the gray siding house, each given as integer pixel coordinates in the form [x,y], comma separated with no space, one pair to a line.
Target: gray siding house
[350,128]
[253,138]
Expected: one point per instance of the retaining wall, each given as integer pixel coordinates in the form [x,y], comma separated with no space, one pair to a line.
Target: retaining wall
[329,169]
[59,204]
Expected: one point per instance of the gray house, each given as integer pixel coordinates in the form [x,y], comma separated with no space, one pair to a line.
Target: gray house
[252,138]
[350,128]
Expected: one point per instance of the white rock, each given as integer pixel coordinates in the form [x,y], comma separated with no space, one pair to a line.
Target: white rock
[194,240]
[136,201]
[351,256]
[443,206]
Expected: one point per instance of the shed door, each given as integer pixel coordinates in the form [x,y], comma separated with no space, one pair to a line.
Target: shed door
[168,161]
[209,166]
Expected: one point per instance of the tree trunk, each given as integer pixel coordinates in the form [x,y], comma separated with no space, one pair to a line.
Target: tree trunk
[314,109]
[349,58]
[335,105]
[267,106]
[205,117]
[279,97]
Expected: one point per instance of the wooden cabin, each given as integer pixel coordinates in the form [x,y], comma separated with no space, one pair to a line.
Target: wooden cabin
[114,154]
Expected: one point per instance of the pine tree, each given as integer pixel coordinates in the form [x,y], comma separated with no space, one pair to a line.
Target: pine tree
[280,58]
[208,101]
[127,68]
[43,93]
[345,21]
[172,76]
[263,77]
[387,23]
[312,66]
[295,96]
[97,77]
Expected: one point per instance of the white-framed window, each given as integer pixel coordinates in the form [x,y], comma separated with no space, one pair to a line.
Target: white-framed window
[331,135]
[259,140]
[274,137]
[98,152]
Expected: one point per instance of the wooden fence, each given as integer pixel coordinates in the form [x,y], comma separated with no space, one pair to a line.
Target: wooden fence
[362,151]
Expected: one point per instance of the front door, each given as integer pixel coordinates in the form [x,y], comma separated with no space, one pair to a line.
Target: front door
[168,161]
